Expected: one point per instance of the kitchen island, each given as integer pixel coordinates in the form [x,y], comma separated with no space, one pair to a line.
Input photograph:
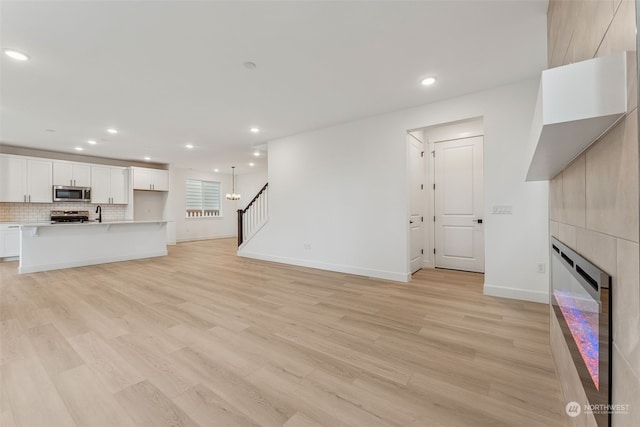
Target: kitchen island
[48,246]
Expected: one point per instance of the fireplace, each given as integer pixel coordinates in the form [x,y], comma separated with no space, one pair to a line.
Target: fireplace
[581,299]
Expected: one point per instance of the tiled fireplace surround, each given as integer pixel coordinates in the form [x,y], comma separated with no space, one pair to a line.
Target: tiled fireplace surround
[594,201]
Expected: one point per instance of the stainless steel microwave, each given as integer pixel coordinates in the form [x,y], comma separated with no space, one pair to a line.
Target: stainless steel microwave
[63,193]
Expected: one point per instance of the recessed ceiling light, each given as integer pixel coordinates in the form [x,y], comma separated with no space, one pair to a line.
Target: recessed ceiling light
[250,65]
[256,153]
[92,142]
[79,148]
[252,164]
[254,130]
[147,158]
[189,146]
[14,54]
[216,170]
[428,81]
[50,130]
[112,131]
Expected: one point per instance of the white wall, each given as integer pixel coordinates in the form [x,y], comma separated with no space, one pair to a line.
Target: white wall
[343,191]
[149,205]
[209,228]
[248,185]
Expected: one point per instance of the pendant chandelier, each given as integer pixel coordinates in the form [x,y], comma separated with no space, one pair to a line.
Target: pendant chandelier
[233,195]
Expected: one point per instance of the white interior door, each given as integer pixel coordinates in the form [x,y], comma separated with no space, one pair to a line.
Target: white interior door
[416,215]
[459,233]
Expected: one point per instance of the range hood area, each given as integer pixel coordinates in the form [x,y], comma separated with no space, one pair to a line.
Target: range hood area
[577,104]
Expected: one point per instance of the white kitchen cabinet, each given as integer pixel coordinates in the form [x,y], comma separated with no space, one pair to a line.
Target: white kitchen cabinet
[160,180]
[73,174]
[25,179]
[119,186]
[109,185]
[13,186]
[9,240]
[141,179]
[150,179]
[40,181]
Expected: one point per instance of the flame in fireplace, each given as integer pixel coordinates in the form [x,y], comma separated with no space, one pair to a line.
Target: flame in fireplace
[582,318]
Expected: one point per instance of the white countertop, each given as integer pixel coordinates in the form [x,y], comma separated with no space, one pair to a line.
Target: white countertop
[89,223]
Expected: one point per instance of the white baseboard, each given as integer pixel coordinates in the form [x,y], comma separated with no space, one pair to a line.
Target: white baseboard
[215,236]
[85,262]
[359,271]
[514,293]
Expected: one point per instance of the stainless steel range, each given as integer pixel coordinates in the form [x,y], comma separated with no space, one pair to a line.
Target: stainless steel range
[69,216]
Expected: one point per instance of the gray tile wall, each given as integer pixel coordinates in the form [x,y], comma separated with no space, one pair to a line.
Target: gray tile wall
[593,203]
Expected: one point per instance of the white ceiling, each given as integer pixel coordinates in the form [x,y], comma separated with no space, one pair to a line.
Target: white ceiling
[167,73]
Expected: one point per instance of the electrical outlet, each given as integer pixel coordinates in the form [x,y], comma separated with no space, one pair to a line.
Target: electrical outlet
[307,246]
[542,267]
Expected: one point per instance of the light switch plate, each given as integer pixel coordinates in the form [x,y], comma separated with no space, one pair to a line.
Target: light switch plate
[502,210]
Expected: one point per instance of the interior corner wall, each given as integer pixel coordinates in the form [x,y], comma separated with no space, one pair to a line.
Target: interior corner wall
[338,197]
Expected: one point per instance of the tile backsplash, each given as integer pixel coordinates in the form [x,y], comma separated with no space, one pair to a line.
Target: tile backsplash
[41,212]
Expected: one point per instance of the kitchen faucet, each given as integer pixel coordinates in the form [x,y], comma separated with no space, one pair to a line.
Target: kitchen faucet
[99,212]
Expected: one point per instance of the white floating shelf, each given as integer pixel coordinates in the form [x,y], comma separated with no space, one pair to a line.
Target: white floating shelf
[577,104]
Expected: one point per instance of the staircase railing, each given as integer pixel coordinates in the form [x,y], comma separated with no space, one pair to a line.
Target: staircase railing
[254,216]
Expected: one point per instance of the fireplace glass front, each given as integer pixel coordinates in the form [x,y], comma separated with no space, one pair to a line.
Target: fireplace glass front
[581,298]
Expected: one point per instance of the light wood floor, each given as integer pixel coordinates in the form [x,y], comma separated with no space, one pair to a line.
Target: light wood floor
[202,337]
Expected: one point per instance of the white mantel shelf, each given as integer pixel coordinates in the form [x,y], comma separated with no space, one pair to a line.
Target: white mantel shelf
[47,246]
[576,105]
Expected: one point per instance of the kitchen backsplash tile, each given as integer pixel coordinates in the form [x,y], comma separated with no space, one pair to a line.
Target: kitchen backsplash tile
[41,212]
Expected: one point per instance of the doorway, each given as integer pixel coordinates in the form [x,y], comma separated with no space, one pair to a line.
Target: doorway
[447,232]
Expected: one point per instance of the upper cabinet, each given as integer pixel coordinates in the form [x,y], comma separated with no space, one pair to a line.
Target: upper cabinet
[119,183]
[25,179]
[73,174]
[150,179]
[31,179]
[109,185]
[577,104]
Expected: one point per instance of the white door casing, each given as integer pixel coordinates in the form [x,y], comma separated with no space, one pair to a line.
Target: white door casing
[416,195]
[458,194]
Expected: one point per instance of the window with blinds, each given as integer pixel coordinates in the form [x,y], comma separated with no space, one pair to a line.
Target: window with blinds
[202,198]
